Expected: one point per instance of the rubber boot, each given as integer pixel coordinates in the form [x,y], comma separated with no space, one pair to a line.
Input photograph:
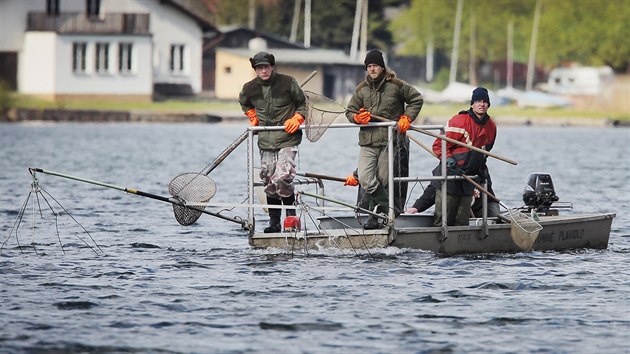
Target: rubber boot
[380,201]
[289,201]
[274,216]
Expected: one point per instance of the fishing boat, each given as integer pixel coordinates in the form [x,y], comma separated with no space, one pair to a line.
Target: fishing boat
[543,224]
[559,232]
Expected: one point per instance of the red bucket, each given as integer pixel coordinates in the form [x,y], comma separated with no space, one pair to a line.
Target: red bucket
[292,224]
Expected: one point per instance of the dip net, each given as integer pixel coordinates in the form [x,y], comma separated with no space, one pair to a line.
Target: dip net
[193,190]
[321,113]
[524,229]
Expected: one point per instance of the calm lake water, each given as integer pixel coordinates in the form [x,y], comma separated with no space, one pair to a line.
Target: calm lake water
[148,284]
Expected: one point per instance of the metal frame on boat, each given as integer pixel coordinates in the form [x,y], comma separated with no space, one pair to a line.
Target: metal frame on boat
[416,231]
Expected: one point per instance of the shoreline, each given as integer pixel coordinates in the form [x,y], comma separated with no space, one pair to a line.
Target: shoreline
[22,115]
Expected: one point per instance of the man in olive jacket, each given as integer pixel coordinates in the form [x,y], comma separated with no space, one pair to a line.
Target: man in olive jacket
[273,99]
[383,94]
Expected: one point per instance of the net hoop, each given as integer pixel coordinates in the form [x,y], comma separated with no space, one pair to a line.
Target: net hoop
[524,230]
[321,113]
[191,188]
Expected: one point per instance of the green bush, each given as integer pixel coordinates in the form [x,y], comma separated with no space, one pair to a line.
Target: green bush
[7,99]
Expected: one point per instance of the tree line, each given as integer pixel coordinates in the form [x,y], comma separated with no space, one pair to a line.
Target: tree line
[589,32]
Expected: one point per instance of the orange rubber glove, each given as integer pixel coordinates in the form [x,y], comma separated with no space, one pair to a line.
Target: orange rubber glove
[292,124]
[351,181]
[253,118]
[404,123]
[363,117]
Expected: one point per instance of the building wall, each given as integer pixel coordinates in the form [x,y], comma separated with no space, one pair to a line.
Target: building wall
[300,73]
[37,76]
[56,76]
[138,81]
[168,26]
[232,71]
[13,22]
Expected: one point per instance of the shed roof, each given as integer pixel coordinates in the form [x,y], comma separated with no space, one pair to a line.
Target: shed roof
[300,56]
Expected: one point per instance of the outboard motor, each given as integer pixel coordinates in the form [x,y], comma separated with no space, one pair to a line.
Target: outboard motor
[539,193]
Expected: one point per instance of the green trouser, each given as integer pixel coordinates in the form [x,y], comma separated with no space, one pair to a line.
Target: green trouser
[373,172]
[373,168]
[457,209]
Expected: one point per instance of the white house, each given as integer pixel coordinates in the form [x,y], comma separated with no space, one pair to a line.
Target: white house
[580,80]
[105,48]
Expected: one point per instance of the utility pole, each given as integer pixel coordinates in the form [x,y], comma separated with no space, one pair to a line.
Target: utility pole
[430,53]
[454,53]
[354,44]
[364,29]
[472,72]
[531,63]
[510,55]
[307,23]
[430,46]
[251,15]
[296,20]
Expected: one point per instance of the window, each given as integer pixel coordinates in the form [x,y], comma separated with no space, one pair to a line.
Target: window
[78,56]
[93,7]
[176,63]
[52,7]
[101,65]
[124,57]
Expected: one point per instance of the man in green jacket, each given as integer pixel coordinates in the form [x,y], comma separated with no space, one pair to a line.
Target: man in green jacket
[385,95]
[273,99]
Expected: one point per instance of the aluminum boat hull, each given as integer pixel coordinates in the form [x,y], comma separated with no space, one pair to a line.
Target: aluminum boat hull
[560,232]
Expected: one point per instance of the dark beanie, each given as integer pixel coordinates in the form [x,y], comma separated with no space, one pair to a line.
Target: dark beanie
[262,58]
[374,57]
[480,94]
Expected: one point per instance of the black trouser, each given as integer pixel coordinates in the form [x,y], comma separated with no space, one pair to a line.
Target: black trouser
[276,214]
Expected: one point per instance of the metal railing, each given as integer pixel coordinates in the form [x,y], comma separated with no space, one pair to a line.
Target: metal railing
[111,23]
[444,177]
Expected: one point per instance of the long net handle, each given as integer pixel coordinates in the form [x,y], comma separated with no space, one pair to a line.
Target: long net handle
[315,175]
[457,142]
[453,141]
[224,154]
[480,188]
[308,78]
[133,191]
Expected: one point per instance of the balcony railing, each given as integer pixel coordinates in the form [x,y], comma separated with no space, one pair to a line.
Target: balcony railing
[111,23]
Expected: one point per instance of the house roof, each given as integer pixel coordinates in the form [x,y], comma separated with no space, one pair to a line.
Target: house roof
[300,56]
[197,10]
[227,30]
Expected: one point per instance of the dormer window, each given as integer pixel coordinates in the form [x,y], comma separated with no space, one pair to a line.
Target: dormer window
[93,8]
[52,7]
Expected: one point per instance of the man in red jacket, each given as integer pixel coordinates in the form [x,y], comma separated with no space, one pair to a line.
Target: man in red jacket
[473,127]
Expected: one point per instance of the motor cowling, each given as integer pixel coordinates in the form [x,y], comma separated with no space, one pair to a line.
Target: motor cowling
[539,192]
